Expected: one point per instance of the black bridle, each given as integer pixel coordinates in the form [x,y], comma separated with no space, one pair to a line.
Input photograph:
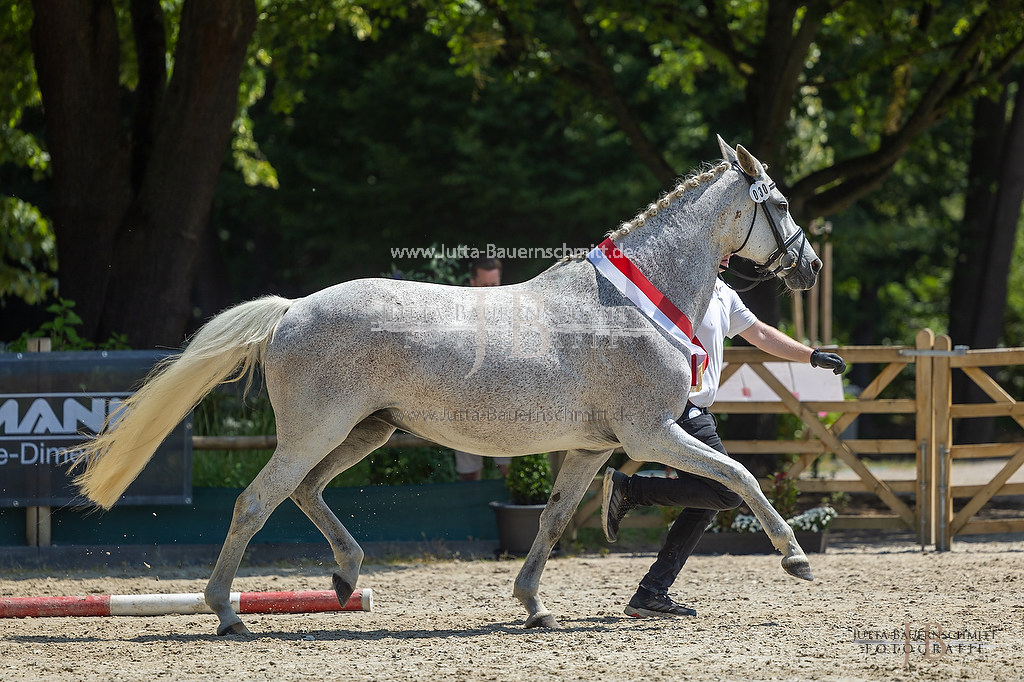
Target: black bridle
[759,193]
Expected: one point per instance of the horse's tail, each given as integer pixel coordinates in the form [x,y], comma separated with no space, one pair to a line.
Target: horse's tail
[226,348]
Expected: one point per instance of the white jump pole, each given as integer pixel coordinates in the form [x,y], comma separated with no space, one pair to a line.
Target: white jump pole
[166,604]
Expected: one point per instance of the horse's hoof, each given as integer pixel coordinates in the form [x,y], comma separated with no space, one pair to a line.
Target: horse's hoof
[234,629]
[798,566]
[342,588]
[542,620]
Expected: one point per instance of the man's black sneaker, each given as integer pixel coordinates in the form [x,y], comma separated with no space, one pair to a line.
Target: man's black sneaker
[615,504]
[646,603]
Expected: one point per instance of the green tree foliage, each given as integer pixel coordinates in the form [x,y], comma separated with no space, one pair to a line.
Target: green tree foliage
[836,93]
[354,129]
[28,259]
[139,103]
[894,250]
[28,252]
[390,148]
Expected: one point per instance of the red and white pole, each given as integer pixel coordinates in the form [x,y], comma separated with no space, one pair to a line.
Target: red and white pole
[166,604]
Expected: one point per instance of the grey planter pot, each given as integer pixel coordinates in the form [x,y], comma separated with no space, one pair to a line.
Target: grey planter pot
[517,526]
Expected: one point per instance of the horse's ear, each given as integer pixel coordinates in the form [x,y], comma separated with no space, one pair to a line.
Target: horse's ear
[748,163]
[728,153]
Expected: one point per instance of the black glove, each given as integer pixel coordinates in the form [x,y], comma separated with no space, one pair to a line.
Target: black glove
[828,361]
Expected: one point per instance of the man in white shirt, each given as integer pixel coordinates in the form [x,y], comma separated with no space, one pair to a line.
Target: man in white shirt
[701,498]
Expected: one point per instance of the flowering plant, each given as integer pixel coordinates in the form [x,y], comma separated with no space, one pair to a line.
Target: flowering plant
[816,519]
[782,492]
[745,523]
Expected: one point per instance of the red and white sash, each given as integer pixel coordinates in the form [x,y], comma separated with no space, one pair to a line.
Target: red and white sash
[627,278]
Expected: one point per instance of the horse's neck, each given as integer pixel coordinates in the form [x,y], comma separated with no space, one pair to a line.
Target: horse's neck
[678,254]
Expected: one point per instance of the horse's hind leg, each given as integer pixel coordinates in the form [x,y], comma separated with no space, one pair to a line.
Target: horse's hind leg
[367,436]
[293,459]
[575,475]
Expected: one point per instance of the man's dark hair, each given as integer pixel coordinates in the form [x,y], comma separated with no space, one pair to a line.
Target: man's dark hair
[478,264]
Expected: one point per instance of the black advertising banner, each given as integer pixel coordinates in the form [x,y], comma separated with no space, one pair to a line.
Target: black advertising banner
[49,402]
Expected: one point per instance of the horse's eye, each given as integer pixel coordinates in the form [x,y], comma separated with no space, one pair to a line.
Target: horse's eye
[784,205]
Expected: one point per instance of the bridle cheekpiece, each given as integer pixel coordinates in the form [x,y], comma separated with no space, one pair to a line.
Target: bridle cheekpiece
[759,192]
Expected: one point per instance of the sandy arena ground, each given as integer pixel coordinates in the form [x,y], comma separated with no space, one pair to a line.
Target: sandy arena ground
[456,620]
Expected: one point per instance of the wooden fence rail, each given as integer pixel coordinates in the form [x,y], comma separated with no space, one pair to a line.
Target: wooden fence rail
[822,438]
[930,513]
[924,505]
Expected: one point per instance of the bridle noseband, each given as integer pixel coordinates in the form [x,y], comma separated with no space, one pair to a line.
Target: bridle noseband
[759,193]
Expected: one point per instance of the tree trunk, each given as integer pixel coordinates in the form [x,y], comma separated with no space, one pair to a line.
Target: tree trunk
[75,47]
[132,200]
[158,241]
[992,211]
[771,90]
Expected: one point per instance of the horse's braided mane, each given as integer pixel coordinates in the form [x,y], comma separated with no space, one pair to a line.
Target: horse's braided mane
[706,173]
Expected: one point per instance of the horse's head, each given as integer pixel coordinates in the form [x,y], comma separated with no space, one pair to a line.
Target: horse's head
[770,238]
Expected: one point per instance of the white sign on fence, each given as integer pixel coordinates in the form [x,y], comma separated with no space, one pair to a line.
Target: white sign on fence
[806,383]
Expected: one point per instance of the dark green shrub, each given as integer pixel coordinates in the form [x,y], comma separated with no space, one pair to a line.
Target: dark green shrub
[62,333]
[224,413]
[410,466]
[529,479]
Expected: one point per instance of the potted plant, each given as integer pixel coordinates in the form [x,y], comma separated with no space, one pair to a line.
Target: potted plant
[734,533]
[529,486]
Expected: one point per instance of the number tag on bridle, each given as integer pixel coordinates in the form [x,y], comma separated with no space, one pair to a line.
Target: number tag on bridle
[759,191]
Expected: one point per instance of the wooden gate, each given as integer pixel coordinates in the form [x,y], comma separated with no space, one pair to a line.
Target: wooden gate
[923,505]
[1007,456]
[827,423]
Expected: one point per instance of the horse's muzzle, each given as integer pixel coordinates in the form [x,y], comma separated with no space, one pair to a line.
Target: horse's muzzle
[803,274]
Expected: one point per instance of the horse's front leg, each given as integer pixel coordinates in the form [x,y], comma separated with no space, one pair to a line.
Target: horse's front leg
[671,445]
[575,475]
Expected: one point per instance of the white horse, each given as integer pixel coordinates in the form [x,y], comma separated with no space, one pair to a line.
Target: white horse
[565,361]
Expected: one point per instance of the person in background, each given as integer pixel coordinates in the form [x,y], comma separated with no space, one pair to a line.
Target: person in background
[701,498]
[483,272]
